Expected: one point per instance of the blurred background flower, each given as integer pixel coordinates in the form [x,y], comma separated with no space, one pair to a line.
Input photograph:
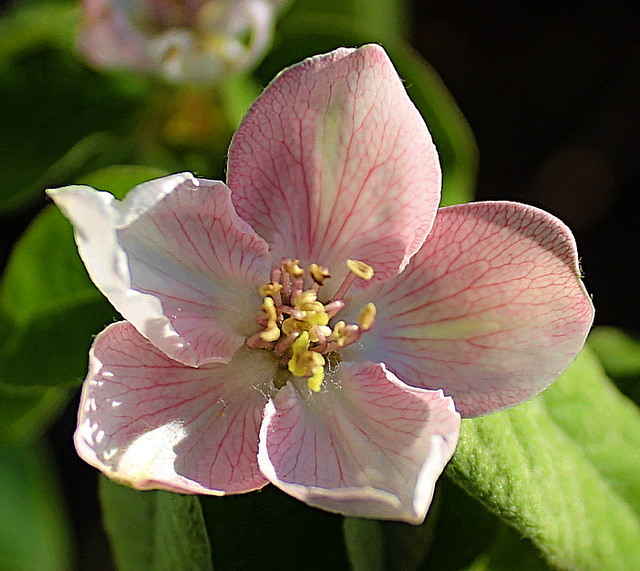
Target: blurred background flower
[200,41]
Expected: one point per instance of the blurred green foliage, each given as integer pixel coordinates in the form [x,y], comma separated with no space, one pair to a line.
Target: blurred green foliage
[34,531]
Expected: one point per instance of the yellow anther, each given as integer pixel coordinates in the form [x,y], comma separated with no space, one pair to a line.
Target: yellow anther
[320,329]
[270,289]
[269,308]
[306,298]
[319,273]
[315,381]
[316,317]
[366,316]
[339,333]
[293,269]
[271,333]
[360,269]
[298,364]
[314,360]
[292,324]
[305,363]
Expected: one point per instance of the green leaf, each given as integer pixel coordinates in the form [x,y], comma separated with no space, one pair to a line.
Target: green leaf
[562,469]
[381,18]
[54,307]
[154,530]
[50,101]
[304,35]
[269,530]
[237,93]
[44,272]
[26,414]
[619,354]
[510,551]
[34,532]
[389,545]
[62,337]
[365,543]
[36,23]
[464,529]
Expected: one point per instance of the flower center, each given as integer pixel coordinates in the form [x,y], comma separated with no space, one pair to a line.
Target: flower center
[299,328]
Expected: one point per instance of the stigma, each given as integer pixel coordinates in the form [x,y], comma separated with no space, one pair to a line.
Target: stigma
[299,328]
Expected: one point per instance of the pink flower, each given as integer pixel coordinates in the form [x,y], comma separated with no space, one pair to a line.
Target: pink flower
[233,369]
[181,40]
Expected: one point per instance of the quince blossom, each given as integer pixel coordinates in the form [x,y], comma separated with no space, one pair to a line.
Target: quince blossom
[312,322]
[183,41]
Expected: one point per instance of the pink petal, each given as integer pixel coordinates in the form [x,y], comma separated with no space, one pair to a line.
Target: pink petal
[107,38]
[366,446]
[154,423]
[333,161]
[175,260]
[491,310]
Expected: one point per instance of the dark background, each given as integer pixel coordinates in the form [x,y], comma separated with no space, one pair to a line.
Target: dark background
[551,91]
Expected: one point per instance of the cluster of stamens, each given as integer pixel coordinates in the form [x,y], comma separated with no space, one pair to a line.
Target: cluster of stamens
[298,327]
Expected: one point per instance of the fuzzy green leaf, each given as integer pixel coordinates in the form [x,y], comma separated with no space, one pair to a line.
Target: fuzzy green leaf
[562,469]
[619,353]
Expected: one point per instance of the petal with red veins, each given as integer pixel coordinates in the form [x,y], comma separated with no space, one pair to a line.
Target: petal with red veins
[491,309]
[367,445]
[175,260]
[151,422]
[333,161]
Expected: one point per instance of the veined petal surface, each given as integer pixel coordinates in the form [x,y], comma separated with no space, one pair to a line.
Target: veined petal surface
[152,422]
[175,260]
[491,309]
[333,161]
[367,445]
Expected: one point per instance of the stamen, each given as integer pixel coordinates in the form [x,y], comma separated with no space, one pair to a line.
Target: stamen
[295,323]
[334,307]
[292,324]
[292,311]
[319,273]
[271,333]
[286,280]
[292,268]
[360,269]
[318,334]
[296,290]
[356,269]
[270,290]
[366,316]
[286,342]
[269,308]
[305,298]
[347,335]
[257,342]
[315,381]
[276,274]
